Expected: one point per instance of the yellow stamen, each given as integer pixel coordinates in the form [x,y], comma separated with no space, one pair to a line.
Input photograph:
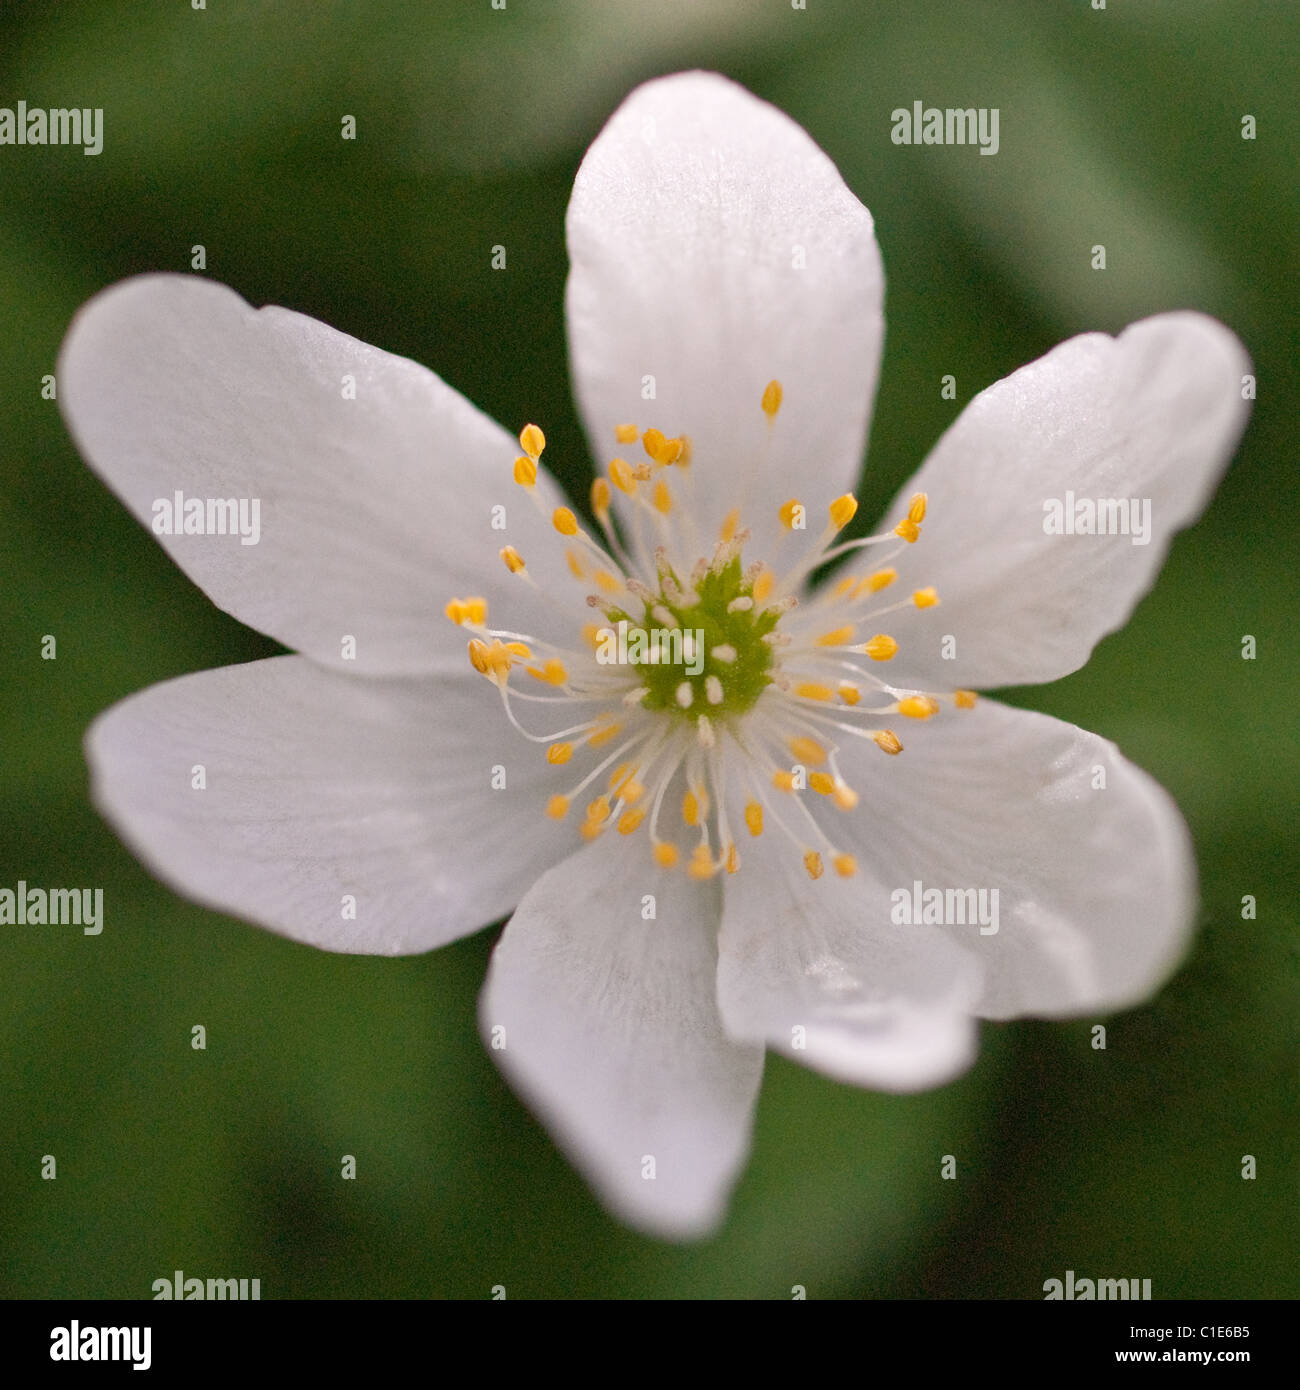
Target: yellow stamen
[519,649]
[598,811]
[812,861]
[620,474]
[811,690]
[600,499]
[837,637]
[807,750]
[850,694]
[690,809]
[574,561]
[887,741]
[525,471]
[478,656]
[908,529]
[754,817]
[629,821]
[783,781]
[772,394]
[559,753]
[733,859]
[608,583]
[925,598]
[665,854]
[845,865]
[918,707]
[844,796]
[873,583]
[788,511]
[598,738]
[663,499]
[916,510]
[513,560]
[557,807]
[843,510]
[880,648]
[564,520]
[701,865]
[964,699]
[821,782]
[625,434]
[532,441]
[553,672]
[729,524]
[763,585]
[591,632]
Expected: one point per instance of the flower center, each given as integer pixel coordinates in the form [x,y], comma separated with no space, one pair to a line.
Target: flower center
[715,689]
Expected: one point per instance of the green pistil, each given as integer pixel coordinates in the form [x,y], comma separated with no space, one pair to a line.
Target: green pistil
[743,680]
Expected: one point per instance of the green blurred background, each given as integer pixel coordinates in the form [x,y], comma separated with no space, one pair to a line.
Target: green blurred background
[222,127]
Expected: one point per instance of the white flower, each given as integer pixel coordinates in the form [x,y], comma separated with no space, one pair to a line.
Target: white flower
[715,253]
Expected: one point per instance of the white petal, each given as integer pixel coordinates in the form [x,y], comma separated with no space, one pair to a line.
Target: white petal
[715,248]
[321,787]
[1089,857]
[1152,415]
[817,971]
[374,511]
[611,1034]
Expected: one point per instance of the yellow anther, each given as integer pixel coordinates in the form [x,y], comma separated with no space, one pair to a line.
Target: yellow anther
[925,598]
[653,441]
[620,774]
[600,500]
[964,699]
[665,854]
[532,441]
[557,807]
[467,610]
[559,753]
[632,792]
[625,434]
[564,520]
[763,585]
[916,509]
[574,561]
[701,865]
[887,741]
[621,475]
[598,810]
[729,524]
[821,782]
[845,865]
[525,471]
[691,809]
[788,511]
[812,690]
[663,499]
[684,454]
[881,647]
[908,529]
[807,750]
[591,829]
[477,610]
[844,796]
[772,394]
[455,610]
[599,737]
[478,656]
[520,649]
[850,694]
[837,637]
[918,707]
[673,451]
[591,632]
[629,821]
[843,510]
[553,672]
[608,583]
[754,817]
[873,583]
[512,559]
[783,781]
[732,859]
[812,861]
[846,585]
